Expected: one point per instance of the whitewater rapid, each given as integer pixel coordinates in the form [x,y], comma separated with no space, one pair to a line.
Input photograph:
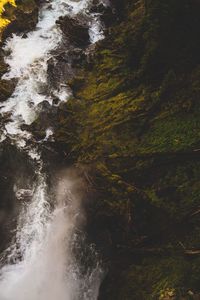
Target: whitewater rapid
[40,263]
[28,63]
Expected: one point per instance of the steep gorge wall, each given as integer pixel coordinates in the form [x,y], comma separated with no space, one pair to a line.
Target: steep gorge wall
[132,127]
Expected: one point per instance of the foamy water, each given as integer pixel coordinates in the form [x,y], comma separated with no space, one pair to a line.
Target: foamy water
[28,62]
[40,263]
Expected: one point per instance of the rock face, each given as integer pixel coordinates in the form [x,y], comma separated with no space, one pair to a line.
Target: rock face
[16,170]
[75,30]
[6,87]
[134,126]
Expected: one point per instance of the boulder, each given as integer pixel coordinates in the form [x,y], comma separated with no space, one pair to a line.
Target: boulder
[75,30]
[16,171]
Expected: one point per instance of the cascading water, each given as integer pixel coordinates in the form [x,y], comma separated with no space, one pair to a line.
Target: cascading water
[40,264]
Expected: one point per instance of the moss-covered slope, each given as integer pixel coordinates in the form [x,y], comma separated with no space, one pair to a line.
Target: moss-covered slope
[134,123]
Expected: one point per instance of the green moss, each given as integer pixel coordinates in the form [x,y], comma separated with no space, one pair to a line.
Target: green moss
[134,123]
[171,133]
[164,278]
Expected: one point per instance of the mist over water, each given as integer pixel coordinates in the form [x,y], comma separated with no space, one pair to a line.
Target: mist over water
[40,264]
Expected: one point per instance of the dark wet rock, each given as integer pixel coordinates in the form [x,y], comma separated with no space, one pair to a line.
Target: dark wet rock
[24,194]
[97,8]
[75,30]
[6,89]
[111,12]
[134,127]
[58,70]
[62,67]
[77,57]
[6,86]
[16,171]
[45,120]
[44,107]
[109,16]
[107,12]
[55,101]
[120,5]
[3,65]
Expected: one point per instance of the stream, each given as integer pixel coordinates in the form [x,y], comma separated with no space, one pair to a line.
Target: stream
[40,263]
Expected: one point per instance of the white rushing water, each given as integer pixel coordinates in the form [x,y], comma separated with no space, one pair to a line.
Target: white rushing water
[28,62]
[40,264]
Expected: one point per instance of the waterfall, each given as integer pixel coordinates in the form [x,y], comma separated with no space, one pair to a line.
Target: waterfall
[40,263]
